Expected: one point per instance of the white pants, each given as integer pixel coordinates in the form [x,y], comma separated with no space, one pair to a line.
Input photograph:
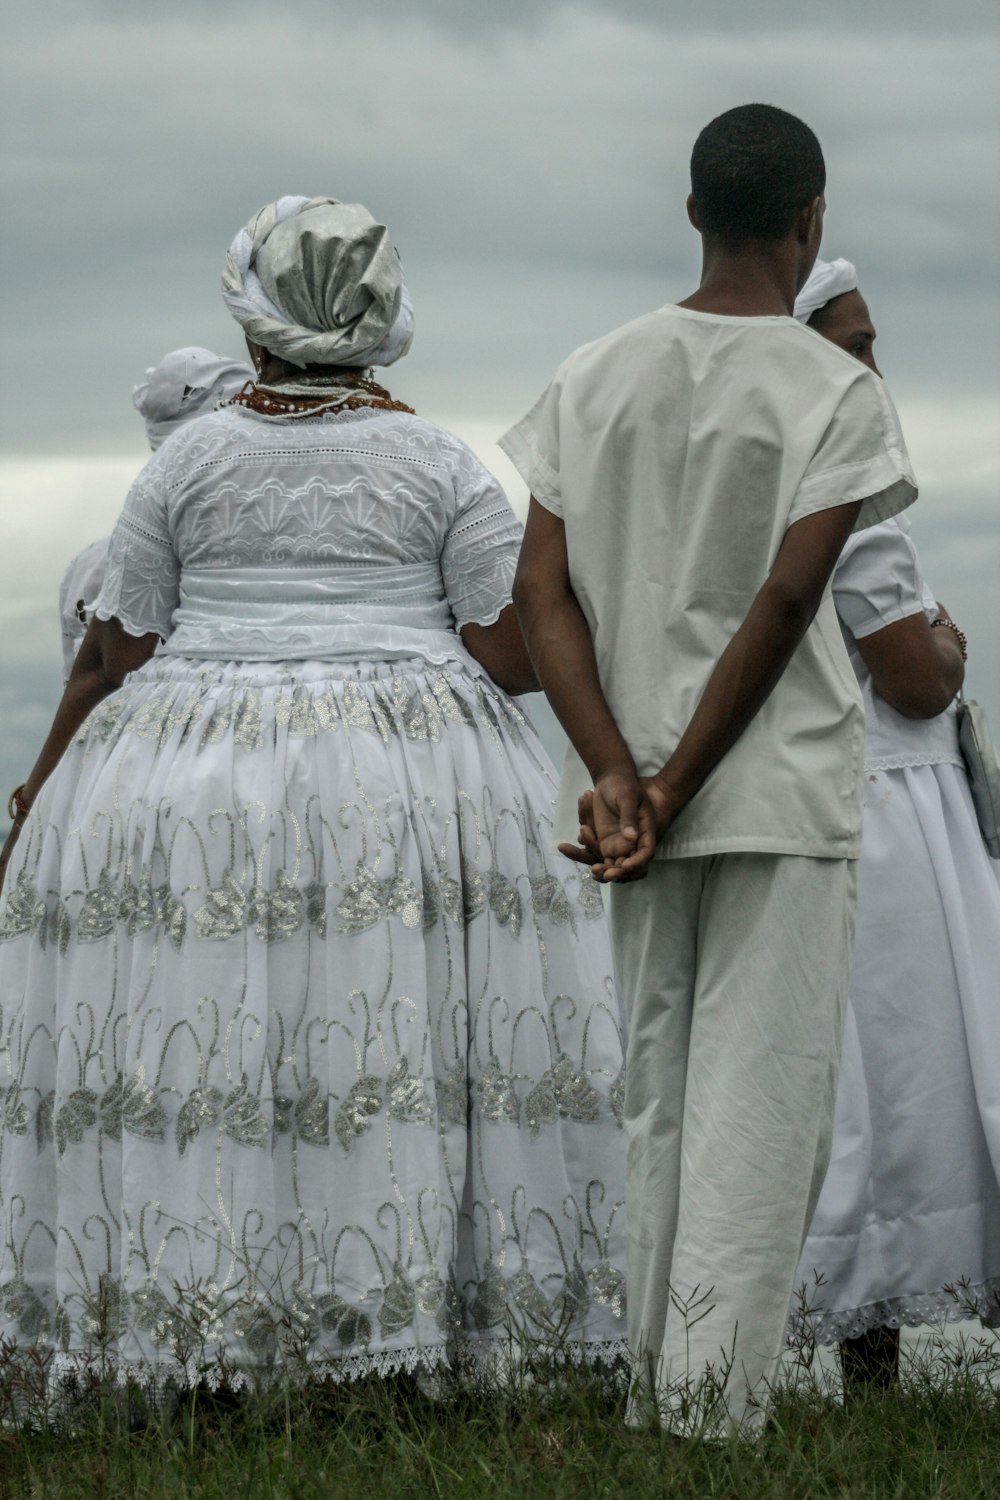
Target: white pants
[735,970]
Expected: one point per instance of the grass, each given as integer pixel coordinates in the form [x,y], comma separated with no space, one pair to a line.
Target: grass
[563,1436]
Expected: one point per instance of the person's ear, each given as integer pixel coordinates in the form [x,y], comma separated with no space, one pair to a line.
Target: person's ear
[692,212]
[809,224]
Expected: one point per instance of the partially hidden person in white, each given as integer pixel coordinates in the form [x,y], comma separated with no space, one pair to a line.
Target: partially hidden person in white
[911,1202]
[694,477]
[186,383]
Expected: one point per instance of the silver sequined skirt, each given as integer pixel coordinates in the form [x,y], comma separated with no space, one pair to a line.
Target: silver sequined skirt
[310,1045]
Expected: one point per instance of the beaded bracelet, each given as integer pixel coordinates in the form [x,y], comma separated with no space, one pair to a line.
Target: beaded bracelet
[963,641]
[16,805]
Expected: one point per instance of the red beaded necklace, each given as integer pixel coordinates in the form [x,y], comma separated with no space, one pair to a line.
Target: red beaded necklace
[307,397]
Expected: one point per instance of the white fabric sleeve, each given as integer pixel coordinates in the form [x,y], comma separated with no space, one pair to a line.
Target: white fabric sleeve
[532,445]
[862,456]
[81,584]
[142,584]
[479,556]
[878,580]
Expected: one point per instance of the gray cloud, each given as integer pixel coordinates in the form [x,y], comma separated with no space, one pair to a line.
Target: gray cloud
[480,19]
[535,183]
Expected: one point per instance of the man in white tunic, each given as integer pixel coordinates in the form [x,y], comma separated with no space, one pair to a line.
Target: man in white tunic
[694,476]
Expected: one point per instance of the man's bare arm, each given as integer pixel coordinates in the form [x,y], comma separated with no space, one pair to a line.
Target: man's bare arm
[562,652]
[746,672]
[752,664]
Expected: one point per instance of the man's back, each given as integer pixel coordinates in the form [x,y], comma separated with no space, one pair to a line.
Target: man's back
[686,443]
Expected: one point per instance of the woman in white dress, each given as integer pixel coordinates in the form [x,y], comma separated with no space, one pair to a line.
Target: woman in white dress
[911,1202]
[308,1044]
[186,383]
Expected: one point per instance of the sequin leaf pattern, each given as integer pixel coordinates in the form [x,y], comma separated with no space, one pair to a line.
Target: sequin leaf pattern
[200,1110]
[548,896]
[540,1107]
[354,1115]
[453,1096]
[529,1297]
[277,914]
[607,1287]
[576,1097]
[497,1094]
[23,1304]
[242,1117]
[312,1115]
[130,1104]
[224,912]
[407,1098]
[572,1301]
[505,901]
[489,1306]
[25,911]
[99,910]
[399,1305]
[74,1117]
[367,900]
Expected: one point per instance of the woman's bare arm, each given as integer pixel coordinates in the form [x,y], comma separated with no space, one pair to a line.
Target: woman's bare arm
[500,649]
[107,654]
[917,670]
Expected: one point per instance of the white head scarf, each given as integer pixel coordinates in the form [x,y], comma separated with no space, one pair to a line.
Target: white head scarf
[828,279]
[185,384]
[316,281]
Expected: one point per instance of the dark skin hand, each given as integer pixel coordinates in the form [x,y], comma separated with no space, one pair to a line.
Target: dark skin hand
[107,654]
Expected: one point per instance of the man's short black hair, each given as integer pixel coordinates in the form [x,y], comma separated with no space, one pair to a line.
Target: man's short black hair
[753,170]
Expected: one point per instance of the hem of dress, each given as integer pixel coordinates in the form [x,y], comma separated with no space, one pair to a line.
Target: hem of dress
[466,1359]
[913,762]
[848,848]
[955,1304]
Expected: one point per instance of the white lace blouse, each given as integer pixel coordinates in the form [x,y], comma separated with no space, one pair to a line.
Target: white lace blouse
[359,535]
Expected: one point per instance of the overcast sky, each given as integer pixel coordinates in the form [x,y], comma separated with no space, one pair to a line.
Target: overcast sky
[531,161]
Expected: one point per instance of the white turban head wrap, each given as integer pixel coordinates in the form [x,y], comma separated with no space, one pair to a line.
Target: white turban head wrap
[185,384]
[828,279]
[318,282]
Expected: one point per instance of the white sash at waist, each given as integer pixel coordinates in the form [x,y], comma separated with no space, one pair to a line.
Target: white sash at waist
[356,611]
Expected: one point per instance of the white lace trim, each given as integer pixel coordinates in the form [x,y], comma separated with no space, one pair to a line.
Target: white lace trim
[915,758]
[496,1358]
[950,1305]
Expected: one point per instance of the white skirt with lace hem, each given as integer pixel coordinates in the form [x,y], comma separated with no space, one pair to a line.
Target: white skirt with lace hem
[308,1042]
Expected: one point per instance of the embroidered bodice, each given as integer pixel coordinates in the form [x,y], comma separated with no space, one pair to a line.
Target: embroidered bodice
[365,534]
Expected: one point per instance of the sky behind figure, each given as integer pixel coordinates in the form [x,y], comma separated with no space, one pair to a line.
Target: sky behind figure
[531,161]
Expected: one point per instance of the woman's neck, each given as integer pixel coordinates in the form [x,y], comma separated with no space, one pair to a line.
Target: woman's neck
[274,370]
